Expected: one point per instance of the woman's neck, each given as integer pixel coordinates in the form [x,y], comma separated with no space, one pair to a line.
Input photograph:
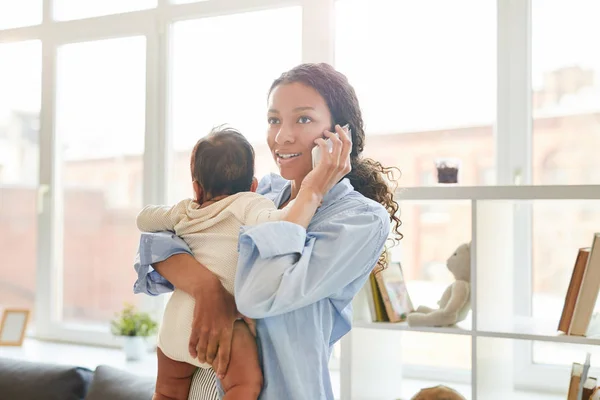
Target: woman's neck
[295,189]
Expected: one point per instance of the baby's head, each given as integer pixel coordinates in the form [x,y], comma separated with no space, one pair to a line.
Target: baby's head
[439,392]
[222,164]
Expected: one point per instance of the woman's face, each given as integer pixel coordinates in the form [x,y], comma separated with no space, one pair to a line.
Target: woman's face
[297,116]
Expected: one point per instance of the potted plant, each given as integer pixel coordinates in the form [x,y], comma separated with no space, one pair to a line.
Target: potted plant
[134,326]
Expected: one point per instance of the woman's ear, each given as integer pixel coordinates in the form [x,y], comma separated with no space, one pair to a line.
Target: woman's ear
[254,185]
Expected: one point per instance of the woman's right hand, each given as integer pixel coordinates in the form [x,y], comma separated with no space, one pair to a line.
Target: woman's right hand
[333,165]
[212,328]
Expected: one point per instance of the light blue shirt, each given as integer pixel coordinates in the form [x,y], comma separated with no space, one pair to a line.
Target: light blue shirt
[298,283]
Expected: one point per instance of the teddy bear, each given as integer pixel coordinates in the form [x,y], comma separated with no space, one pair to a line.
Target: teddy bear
[455,303]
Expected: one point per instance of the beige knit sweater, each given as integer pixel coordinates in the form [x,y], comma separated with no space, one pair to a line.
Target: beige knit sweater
[212,233]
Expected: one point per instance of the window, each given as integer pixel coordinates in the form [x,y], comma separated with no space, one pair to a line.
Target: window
[15,14]
[425,80]
[225,80]
[76,9]
[566,91]
[20,99]
[100,122]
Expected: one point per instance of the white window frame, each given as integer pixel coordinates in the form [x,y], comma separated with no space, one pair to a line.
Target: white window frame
[513,137]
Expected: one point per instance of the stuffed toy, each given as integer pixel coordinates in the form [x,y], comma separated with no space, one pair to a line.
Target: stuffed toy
[439,392]
[455,302]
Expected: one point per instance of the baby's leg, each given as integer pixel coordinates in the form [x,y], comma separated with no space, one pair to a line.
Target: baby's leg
[244,379]
[173,379]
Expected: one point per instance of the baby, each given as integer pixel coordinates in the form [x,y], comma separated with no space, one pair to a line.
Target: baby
[222,166]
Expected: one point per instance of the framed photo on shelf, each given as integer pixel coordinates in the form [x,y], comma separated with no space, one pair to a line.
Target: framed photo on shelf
[392,286]
[13,326]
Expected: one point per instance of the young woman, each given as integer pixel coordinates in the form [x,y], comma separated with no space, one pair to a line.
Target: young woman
[297,279]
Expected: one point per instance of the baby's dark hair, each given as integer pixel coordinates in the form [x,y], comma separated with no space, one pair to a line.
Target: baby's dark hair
[222,163]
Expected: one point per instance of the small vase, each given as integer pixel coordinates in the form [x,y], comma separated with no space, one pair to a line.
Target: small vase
[135,348]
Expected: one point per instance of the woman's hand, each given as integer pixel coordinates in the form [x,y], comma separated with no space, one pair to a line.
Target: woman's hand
[212,328]
[333,166]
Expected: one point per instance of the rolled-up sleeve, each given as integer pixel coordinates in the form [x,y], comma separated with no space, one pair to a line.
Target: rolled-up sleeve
[282,267]
[153,248]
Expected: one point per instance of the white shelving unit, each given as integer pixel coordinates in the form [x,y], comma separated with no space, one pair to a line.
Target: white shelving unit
[370,354]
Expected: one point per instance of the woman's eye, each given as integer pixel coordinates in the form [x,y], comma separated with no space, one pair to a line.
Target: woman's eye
[273,120]
[304,120]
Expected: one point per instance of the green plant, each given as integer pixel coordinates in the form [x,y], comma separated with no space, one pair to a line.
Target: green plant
[130,322]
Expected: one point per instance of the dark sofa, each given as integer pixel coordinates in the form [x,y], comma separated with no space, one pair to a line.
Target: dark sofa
[24,380]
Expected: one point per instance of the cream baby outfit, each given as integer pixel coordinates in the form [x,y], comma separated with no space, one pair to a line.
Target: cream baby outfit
[212,234]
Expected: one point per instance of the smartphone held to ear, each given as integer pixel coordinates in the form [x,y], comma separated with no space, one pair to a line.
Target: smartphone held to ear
[316,151]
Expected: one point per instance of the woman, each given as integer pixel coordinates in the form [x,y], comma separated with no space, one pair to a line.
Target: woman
[296,278]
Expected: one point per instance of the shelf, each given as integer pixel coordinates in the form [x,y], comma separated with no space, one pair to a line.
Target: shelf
[529,192]
[521,329]
[461,329]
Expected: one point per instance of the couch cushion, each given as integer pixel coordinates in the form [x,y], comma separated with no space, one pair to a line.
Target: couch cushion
[26,380]
[115,384]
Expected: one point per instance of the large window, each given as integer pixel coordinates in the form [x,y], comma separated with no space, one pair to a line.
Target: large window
[425,81]
[100,120]
[225,80]
[20,80]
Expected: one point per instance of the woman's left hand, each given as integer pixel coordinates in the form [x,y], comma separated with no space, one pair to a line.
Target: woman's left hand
[333,166]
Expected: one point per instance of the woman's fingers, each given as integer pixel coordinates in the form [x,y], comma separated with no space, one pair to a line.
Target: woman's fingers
[202,344]
[334,156]
[223,356]
[212,347]
[346,139]
[193,343]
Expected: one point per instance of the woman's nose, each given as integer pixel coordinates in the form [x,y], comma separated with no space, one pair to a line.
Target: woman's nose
[285,135]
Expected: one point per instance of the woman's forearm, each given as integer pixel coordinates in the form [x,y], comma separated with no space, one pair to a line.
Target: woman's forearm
[304,207]
[186,273]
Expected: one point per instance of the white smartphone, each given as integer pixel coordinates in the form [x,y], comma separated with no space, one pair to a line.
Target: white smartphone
[316,151]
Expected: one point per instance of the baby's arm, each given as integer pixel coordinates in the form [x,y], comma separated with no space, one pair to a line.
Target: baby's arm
[263,210]
[161,218]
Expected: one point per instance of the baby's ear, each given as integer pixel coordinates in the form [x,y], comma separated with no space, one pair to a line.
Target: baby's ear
[254,185]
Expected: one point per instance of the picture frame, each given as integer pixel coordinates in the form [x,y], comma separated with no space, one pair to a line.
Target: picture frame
[394,293]
[13,326]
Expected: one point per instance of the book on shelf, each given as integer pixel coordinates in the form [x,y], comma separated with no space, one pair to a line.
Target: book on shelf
[581,386]
[387,294]
[573,290]
[582,292]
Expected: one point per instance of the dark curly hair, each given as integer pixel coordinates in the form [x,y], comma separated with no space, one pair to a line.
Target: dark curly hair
[369,177]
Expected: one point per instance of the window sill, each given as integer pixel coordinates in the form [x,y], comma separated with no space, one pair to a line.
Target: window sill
[79,355]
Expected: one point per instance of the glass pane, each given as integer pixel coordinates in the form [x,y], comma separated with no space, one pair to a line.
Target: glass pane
[20,98]
[426,82]
[566,91]
[76,9]
[17,13]
[100,121]
[214,81]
